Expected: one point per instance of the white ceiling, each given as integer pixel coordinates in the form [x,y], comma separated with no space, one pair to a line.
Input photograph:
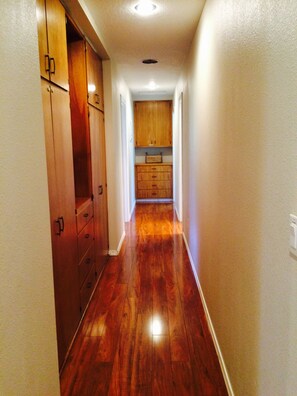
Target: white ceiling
[129,38]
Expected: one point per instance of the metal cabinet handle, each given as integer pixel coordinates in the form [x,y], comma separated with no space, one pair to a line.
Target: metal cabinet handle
[47,63]
[97,100]
[100,190]
[60,223]
[86,215]
[52,63]
[87,236]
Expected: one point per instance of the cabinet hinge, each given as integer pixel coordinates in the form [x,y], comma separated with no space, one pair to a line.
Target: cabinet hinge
[92,197]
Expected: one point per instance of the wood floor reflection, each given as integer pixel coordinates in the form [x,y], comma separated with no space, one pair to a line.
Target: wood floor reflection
[145,331]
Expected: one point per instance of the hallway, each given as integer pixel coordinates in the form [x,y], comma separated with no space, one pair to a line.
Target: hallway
[145,332]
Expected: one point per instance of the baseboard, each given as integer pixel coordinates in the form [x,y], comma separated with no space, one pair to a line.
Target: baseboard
[113,252]
[209,322]
[177,214]
[132,210]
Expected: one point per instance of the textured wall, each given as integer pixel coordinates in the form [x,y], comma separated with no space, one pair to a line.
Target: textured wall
[28,357]
[240,141]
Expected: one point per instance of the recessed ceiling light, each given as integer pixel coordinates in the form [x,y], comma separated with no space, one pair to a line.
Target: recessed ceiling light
[145,8]
[149,61]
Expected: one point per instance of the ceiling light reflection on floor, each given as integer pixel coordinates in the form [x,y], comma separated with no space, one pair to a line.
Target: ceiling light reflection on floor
[156,326]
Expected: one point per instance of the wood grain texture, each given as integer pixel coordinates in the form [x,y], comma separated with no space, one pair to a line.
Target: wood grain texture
[145,331]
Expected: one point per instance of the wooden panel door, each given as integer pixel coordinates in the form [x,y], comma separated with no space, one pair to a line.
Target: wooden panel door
[42,38]
[62,208]
[95,78]
[144,124]
[99,186]
[163,123]
[51,22]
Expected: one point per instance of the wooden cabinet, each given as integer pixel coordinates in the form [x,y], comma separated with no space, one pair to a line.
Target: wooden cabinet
[153,123]
[76,171]
[94,78]
[51,23]
[97,132]
[153,181]
[62,212]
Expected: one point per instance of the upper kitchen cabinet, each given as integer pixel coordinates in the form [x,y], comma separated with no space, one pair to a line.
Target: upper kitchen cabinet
[51,22]
[95,79]
[153,123]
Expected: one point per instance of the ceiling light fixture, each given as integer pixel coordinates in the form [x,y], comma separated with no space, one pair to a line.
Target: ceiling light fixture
[145,8]
[149,61]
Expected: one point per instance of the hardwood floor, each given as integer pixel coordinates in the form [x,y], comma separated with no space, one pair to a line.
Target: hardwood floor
[145,331]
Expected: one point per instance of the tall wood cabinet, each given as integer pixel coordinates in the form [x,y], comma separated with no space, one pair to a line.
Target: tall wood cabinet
[76,168]
[62,212]
[96,118]
[153,123]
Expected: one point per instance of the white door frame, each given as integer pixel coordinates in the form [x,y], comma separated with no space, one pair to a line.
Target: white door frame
[125,160]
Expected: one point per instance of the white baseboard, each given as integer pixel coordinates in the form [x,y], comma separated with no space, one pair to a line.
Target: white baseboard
[113,252]
[209,322]
[177,214]
[132,210]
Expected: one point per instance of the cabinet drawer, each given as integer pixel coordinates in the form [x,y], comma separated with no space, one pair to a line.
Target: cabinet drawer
[86,264]
[154,194]
[85,239]
[154,185]
[87,288]
[154,176]
[154,168]
[84,215]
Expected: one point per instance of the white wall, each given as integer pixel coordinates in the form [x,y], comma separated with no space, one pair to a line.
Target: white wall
[28,358]
[240,144]
[114,88]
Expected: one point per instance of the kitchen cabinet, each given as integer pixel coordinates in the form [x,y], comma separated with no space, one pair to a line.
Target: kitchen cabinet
[58,139]
[51,24]
[153,123]
[153,181]
[94,78]
[97,133]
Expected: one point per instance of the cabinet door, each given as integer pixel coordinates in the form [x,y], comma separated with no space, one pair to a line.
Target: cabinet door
[95,79]
[144,124]
[62,208]
[99,186]
[42,38]
[51,22]
[163,123]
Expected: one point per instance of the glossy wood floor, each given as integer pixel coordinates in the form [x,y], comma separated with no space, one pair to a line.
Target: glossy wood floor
[145,331]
